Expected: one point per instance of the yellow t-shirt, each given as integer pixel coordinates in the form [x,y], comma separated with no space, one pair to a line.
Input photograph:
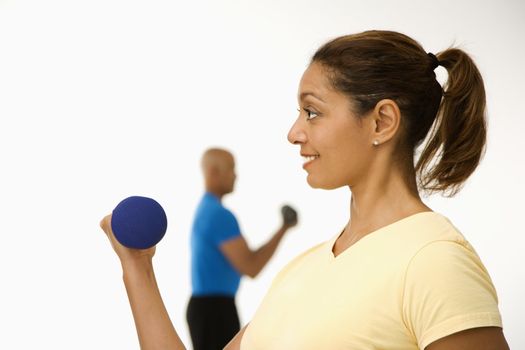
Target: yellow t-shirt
[402,287]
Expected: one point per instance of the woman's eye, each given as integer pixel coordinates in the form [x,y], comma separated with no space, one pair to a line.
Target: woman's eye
[310,114]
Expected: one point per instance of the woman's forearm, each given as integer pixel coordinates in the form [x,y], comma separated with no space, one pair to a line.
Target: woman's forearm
[154,327]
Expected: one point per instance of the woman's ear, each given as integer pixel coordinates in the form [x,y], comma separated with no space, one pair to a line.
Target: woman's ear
[387,118]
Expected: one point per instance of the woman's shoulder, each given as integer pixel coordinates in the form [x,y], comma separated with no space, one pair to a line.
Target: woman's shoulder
[442,254]
[426,228]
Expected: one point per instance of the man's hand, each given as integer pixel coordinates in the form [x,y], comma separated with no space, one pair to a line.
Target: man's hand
[290,218]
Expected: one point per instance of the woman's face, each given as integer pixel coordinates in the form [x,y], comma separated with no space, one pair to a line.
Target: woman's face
[335,144]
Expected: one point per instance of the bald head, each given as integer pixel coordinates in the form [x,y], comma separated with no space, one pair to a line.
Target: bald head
[218,167]
[216,157]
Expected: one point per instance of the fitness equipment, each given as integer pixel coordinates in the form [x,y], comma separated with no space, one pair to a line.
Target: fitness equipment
[139,222]
[289,215]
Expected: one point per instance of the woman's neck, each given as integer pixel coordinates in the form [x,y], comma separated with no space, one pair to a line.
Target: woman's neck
[378,202]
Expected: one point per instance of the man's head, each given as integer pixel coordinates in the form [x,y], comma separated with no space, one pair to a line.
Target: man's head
[218,167]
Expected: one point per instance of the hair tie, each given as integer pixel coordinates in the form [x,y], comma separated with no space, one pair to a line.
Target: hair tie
[435,61]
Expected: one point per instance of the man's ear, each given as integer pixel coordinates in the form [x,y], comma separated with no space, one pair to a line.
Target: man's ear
[387,118]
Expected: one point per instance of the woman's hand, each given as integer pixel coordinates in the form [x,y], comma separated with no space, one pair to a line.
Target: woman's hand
[126,255]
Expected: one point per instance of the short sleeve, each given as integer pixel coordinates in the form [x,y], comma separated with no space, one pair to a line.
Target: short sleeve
[447,290]
[225,227]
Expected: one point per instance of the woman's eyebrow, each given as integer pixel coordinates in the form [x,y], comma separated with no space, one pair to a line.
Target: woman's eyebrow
[305,94]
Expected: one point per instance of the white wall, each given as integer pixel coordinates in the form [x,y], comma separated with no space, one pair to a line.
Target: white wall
[103,99]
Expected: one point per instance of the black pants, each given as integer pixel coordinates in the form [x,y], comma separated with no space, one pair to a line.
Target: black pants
[213,321]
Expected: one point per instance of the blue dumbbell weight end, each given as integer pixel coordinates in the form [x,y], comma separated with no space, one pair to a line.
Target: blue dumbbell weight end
[139,222]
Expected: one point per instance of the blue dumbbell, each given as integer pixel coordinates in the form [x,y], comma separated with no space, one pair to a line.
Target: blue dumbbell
[139,222]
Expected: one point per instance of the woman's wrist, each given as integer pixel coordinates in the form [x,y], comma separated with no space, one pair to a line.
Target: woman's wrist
[137,266]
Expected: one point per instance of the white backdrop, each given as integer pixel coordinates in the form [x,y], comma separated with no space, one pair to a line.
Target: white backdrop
[103,99]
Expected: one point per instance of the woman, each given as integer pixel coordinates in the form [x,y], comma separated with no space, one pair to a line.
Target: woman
[399,276]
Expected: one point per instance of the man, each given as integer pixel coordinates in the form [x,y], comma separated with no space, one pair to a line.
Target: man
[220,256]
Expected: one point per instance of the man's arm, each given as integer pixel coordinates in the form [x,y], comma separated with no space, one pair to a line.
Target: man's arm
[154,327]
[251,262]
[484,338]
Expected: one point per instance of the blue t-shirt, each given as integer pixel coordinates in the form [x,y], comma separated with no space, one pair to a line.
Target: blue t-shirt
[211,272]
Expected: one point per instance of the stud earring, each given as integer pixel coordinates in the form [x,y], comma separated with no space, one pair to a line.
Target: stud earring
[375,143]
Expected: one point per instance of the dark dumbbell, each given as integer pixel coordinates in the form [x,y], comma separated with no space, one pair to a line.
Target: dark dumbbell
[289,215]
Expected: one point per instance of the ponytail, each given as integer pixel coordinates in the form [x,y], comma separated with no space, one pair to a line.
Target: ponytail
[457,140]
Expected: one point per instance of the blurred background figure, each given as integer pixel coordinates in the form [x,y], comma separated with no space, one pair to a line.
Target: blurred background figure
[220,256]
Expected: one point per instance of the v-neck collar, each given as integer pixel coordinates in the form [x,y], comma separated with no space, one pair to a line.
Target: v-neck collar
[374,234]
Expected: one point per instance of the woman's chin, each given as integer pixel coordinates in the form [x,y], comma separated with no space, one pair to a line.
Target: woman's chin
[323,184]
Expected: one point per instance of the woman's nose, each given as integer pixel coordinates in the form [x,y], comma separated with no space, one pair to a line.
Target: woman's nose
[297,135]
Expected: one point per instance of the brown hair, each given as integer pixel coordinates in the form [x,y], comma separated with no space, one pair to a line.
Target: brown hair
[376,65]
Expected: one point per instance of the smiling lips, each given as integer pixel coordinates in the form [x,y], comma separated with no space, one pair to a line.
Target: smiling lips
[308,159]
